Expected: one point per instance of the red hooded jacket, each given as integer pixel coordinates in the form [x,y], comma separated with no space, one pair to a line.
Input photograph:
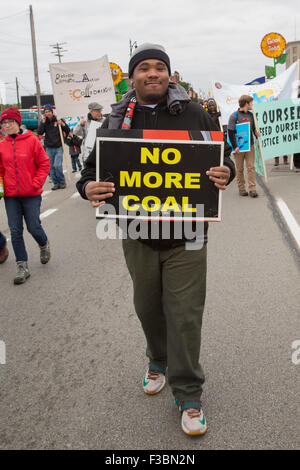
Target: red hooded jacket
[24,165]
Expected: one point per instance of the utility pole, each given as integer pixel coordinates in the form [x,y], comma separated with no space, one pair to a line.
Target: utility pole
[131,46]
[58,50]
[17,88]
[35,65]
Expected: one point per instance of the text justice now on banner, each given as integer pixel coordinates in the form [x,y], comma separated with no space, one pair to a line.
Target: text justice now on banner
[160,173]
[279,125]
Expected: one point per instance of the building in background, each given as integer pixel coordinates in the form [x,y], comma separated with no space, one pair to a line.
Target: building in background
[29,102]
[293,52]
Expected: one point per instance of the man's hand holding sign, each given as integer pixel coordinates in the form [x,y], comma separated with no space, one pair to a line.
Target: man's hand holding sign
[219,175]
[98,192]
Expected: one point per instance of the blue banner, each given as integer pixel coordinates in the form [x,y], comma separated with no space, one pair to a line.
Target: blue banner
[242,135]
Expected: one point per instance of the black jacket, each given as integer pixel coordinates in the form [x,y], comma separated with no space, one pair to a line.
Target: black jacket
[74,143]
[193,118]
[51,131]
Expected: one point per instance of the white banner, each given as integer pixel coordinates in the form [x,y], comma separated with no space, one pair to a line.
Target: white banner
[76,84]
[284,86]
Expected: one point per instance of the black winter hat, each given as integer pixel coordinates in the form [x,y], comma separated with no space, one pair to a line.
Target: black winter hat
[148,51]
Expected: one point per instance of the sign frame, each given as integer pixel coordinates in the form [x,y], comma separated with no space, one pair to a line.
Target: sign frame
[159,141]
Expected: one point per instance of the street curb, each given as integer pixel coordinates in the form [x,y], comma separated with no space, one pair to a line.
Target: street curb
[280,221]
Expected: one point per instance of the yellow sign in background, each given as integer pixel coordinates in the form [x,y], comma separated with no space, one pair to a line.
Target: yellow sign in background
[116,73]
[273,45]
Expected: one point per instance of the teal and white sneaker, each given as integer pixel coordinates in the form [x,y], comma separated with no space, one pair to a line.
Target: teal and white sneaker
[153,382]
[193,421]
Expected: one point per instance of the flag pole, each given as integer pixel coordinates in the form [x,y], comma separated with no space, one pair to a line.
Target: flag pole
[66,160]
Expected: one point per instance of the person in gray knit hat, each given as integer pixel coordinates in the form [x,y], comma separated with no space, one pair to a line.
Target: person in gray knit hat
[169,281]
[82,128]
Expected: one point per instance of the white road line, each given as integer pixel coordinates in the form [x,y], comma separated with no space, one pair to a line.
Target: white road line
[47,213]
[290,220]
[75,195]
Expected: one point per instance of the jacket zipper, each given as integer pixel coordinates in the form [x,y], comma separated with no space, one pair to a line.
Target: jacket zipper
[17,173]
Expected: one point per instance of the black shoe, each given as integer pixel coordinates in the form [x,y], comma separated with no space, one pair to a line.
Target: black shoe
[62,186]
[45,254]
[74,171]
[55,187]
[3,254]
[243,193]
[253,194]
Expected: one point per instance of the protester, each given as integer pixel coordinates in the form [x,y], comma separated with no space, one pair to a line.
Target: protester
[243,114]
[3,249]
[213,111]
[74,144]
[24,167]
[297,162]
[285,160]
[82,129]
[169,281]
[53,144]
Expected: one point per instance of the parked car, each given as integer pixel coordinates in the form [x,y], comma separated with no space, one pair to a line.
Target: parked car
[29,119]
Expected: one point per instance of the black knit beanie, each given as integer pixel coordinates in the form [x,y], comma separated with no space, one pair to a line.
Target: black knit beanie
[148,51]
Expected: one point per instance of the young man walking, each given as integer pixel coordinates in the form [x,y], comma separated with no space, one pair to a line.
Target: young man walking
[169,281]
[243,114]
[54,150]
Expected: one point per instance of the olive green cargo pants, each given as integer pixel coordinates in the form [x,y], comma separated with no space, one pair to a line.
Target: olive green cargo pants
[169,296]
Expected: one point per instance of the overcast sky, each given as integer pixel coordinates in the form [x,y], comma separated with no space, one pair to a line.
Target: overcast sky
[205,39]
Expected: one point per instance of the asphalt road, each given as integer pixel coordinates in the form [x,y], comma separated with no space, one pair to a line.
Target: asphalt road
[75,353]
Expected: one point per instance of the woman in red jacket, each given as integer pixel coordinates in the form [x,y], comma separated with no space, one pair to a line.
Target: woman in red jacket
[24,167]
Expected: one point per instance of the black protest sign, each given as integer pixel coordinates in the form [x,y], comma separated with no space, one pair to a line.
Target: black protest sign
[155,178]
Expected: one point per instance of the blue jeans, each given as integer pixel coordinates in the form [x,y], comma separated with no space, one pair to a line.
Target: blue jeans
[56,164]
[75,161]
[2,241]
[29,207]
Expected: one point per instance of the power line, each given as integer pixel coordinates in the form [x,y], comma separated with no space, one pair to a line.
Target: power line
[11,16]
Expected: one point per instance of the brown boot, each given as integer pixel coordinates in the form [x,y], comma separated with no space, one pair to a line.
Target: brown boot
[4,254]
[253,194]
[242,192]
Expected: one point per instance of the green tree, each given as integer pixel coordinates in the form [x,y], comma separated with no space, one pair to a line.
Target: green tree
[188,87]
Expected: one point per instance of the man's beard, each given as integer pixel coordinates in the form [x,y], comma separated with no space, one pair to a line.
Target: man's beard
[153,98]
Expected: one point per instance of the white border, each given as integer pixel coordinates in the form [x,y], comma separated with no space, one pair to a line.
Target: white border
[159,141]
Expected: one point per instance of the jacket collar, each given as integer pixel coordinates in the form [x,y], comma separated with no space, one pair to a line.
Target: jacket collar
[176,100]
